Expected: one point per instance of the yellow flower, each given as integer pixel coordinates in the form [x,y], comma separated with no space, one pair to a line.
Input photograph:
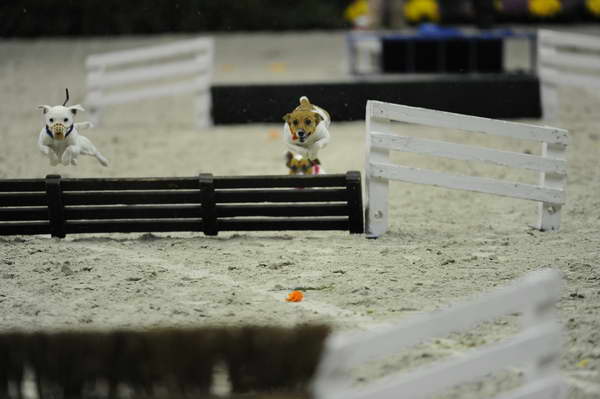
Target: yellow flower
[357,9]
[418,10]
[544,8]
[593,6]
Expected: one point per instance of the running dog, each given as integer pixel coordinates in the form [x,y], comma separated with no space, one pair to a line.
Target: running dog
[305,130]
[60,140]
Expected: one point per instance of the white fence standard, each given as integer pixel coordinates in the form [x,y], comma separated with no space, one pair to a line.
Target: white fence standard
[537,347]
[566,59]
[187,63]
[552,165]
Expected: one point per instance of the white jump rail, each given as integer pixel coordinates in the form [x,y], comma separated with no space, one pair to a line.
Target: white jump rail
[552,165]
[566,59]
[537,347]
[115,78]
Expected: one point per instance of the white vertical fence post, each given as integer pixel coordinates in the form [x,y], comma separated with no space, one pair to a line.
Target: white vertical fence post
[548,213]
[549,99]
[376,217]
[203,96]
[94,96]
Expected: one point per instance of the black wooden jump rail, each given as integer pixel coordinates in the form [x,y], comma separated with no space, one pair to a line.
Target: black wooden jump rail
[205,203]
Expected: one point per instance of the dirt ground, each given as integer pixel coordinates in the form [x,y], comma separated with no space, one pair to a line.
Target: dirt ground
[443,246]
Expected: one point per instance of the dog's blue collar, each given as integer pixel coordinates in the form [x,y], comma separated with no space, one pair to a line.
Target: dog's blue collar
[49,133]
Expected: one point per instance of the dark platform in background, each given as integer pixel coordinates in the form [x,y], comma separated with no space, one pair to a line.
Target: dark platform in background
[442,55]
[500,96]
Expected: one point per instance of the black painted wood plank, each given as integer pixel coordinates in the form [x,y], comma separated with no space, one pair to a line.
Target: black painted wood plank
[24,214]
[282,225]
[274,195]
[130,183]
[23,199]
[279,181]
[283,210]
[22,185]
[133,212]
[133,226]
[24,228]
[132,197]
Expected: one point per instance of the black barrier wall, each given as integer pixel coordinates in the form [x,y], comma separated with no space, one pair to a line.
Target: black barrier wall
[502,96]
[205,203]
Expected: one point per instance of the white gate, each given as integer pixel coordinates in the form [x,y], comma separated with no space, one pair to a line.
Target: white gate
[111,75]
[552,164]
[566,59]
[537,347]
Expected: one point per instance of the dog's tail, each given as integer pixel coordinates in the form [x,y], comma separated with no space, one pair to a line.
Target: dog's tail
[304,101]
[103,161]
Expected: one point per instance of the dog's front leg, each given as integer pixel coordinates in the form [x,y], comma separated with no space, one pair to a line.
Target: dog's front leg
[313,153]
[70,155]
[44,147]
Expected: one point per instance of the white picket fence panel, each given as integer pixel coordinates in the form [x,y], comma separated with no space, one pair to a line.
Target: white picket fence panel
[537,347]
[114,78]
[566,59]
[552,165]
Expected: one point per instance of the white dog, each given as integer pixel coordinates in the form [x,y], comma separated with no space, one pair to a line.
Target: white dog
[60,140]
[305,131]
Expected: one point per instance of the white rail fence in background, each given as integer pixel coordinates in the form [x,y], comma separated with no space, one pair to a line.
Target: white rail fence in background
[566,59]
[552,165]
[537,347]
[115,78]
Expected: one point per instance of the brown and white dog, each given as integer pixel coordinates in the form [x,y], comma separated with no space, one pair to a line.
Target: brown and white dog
[305,131]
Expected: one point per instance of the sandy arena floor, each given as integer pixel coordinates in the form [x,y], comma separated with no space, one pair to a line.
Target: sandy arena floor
[444,246]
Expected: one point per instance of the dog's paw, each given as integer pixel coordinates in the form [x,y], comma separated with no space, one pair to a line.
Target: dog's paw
[68,156]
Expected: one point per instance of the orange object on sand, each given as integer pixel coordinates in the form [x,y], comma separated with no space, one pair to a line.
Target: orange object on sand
[295,296]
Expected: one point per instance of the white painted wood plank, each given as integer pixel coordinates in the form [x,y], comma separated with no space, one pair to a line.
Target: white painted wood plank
[451,120]
[569,78]
[145,73]
[540,289]
[151,92]
[151,52]
[467,153]
[541,341]
[569,39]
[470,183]
[549,56]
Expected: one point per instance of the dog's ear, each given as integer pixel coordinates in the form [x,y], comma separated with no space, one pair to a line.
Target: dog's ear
[75,108]
[318,118]
[286,117]
[44,108]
